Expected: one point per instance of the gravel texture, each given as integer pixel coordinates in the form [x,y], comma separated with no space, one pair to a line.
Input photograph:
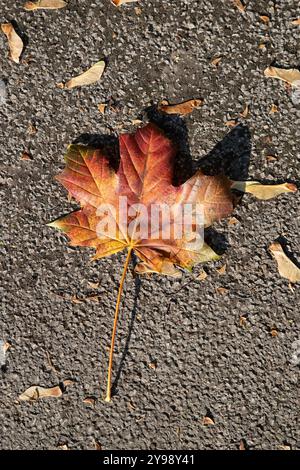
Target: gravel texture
[207,362]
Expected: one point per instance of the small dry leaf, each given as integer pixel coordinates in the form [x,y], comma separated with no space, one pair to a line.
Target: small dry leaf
[265,18]
[31,129]
[245,111]
[263,191]
[291,76]
[152,365]
[233,221]
[274,332]
[98,446]
[202,276]
[92,298]
[14,41]
[242,321]
[286,267]
[222,270]
[102,107]
[35,392]
[90,401]
[271,158]
[63,447]
[274,109]
[4,346]
[216,61]
[231,123]
[222,290]
[45,4]
[136,122]
[92,75]
[26,156]
[138,11]
[60,85]
[296,21]
[75,300]
[262,46]
[239,5]
[284,447]
[118,3]
[208,421]
[93,285]
[186,107]
[242,445]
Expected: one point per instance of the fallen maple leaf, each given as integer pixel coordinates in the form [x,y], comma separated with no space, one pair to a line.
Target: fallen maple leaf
[92,75]
[263,191]
[291,76]
[36,392]
[186,107]
[118,3]
[45,5]
[144,177]
[286,267]
[14,41]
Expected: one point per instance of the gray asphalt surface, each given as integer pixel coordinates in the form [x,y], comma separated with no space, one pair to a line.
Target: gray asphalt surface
[207,363]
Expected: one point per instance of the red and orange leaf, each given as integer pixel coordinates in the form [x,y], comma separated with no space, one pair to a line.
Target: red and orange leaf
[144,177]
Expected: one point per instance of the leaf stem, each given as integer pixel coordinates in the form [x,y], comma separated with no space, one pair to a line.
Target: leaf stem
[111,353]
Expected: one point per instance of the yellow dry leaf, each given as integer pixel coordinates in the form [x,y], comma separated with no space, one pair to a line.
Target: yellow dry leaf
[274,109]
[102,107]
[296,21]
[233,221]
[242,321]
[291,76]
[222,270]
[286,267]
[222,290]
[262,46]
[136,122]
[208,421]
[186,107]
[14,41]
[36,392]
[216,61]
[92,75]
[265,18]
[263,191]
[274,332]
[118,3]
[245,111]
[45,4]
[231,123]
[239,5]
[202,276]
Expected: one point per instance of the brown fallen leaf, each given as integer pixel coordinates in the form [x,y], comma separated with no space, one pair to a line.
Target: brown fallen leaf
[274,332]
[265,18]
[271,158]
[243,445]
[136,122]
[60,85]
[36,392]
[262,46]
[245,111]
[138,11]
[208,421]
[242,320]
[202,276]
[222,290]
[31,129]
[26,156]
[93,285]
[263,191]
[286,267]
[63,447]
[216,61]
[291,76]
[92,298]
[90,401]
[45,4]
[102,107]
[92,75]
[152,365]
[296,21]
[186,107]
[98,446]
[222,270]
[231,123]
[14,41]
[274,109]
[239,5]
[284,447]
[233,221]
[75,300]
[118,3]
